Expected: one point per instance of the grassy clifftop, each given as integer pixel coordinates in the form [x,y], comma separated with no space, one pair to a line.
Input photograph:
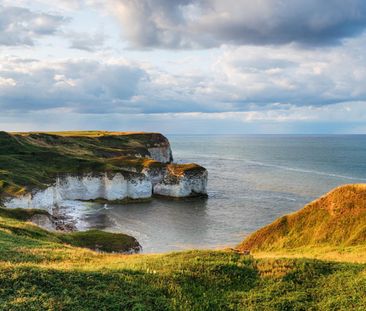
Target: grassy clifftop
[334,222]
[30,160]
[38,271]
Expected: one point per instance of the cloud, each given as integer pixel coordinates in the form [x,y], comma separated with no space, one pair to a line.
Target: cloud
[85,41]
[340,118]
[261,77]
[187,24]
[21,26]
[241,79]
[83,86]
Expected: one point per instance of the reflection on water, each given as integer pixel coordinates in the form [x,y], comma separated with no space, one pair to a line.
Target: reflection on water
[252,181]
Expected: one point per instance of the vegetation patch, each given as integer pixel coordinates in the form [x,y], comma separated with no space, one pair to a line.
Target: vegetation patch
[182,169]
[102,241]
[14,222]
[336,220]
[21,213]
[137,163]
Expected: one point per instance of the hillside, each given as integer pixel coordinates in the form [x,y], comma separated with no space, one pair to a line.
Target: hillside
[334,222]
[41,271]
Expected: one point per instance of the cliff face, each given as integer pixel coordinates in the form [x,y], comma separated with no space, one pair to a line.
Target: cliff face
[41,170]
[110,187]
[161,154]
[160,150]
[182,181]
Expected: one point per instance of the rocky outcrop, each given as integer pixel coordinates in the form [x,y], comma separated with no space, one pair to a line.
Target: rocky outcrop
[155,174]
[108,186]
[184,180]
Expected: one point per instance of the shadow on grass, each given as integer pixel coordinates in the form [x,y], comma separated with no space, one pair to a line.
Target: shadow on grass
[42,289]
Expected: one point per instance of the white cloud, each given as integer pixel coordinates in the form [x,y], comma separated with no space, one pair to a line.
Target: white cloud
[21,26]
[7,82]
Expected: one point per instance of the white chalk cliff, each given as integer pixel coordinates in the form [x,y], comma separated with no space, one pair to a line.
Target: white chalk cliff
[86,187]
[187,183]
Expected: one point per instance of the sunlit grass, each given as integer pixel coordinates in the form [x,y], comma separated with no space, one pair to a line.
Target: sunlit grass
[335,221]
[39,272]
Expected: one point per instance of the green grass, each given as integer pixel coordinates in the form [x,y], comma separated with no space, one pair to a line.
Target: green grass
[39,272]
[101,241]
[13,222]
[21,213]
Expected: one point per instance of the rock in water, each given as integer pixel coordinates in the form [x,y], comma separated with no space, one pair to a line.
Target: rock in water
[183,180]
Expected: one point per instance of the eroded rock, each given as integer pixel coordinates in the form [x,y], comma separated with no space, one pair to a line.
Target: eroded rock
[183,180]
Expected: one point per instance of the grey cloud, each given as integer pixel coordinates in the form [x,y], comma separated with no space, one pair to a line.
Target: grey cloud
[84,86]
[211,23]
[21,26]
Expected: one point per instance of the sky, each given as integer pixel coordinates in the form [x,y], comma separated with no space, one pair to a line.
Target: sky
[184,66]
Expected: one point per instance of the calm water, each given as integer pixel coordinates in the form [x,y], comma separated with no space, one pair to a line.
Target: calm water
[252,181]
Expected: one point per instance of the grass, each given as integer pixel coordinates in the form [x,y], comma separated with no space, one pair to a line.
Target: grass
[15,222]
[101,241]
[38,272]
[83,133]
[132,162]
[329,225]
[351,254]
[21,213]
[33,160]
[181,169]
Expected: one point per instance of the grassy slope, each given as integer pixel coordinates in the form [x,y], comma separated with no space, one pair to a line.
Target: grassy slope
[332,227]
[30,160]
[37,272]
[13,222]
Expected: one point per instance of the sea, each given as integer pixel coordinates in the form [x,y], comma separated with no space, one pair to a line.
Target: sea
[253,179]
